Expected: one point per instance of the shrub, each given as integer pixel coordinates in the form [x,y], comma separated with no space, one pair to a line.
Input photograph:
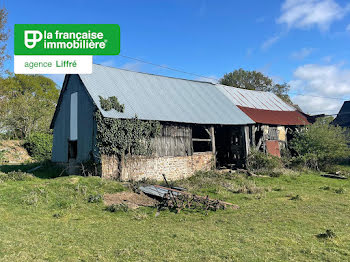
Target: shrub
[39,146]
[320,144]
[3,158]
[259,160]
[339,190]
[15,176]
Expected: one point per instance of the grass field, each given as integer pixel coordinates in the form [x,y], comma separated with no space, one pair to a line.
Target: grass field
[50,219]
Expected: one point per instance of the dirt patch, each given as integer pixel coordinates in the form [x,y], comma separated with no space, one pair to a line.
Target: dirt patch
[132,200]
[13,152]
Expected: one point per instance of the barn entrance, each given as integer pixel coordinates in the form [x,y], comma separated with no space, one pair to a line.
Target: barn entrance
[230,147]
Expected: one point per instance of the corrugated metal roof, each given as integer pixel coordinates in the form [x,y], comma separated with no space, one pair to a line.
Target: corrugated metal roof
[153,97]
[254,99]
[284,118]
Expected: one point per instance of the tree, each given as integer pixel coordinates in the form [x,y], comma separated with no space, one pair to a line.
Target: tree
[253,80]
[320,144]
[4,35]
[27,104]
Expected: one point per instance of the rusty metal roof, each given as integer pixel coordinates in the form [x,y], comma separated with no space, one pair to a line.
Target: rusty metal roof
[283,118]
[263,107]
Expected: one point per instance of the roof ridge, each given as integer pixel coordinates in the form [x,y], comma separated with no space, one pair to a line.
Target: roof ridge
[247,89]
[123,69]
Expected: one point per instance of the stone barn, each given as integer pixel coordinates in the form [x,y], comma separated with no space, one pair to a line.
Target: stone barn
[203,125]
[191,113]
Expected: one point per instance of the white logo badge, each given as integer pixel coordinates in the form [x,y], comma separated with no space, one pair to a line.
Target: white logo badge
[36,37]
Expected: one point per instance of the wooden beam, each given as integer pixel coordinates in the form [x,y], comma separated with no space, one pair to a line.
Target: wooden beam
[252,140]
[213,147]
[245,134]
[208,131]
[201,139]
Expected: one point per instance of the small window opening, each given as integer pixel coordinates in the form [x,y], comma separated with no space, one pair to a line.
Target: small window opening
[201,139]
[72,149]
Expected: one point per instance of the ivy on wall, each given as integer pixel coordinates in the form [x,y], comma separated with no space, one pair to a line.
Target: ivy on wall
[111,103]
[125,136]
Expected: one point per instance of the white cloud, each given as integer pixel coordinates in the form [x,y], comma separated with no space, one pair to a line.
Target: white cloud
[319,84]
[269,42]
[304,14]
[301,54]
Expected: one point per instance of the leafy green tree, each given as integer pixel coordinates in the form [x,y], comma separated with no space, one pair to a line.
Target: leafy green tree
[27,104]
[4,35]
[320,144]
[253,80]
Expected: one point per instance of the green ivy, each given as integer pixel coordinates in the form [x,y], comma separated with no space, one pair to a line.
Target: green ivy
[111,103]
[125,136]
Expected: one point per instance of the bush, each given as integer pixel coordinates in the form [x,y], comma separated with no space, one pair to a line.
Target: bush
[15,176]
[320,144]
[3,158]
[39,146]
[259,160]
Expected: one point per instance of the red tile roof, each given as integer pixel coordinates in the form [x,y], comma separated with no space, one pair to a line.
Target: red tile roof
[284,118]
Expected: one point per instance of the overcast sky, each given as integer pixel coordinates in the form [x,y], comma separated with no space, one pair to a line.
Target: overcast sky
[302,42]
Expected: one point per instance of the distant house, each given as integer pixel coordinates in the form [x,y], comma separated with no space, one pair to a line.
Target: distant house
[203,124]
[343,117]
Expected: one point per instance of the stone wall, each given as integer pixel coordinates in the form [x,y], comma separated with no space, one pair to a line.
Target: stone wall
[109,167]
[174,167]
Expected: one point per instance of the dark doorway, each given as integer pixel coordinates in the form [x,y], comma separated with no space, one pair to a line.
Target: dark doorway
[229,147]
[72,149]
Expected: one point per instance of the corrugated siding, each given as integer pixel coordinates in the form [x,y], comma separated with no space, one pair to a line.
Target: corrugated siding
[86,124]
[61,131]
[254,99]
[153,97]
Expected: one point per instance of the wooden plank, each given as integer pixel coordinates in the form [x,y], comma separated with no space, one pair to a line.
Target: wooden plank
[208,131]
[201,139]
[213,147]
[245,137]
[252,140]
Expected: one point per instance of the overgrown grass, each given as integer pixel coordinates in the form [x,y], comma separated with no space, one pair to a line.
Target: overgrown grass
[53,220]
